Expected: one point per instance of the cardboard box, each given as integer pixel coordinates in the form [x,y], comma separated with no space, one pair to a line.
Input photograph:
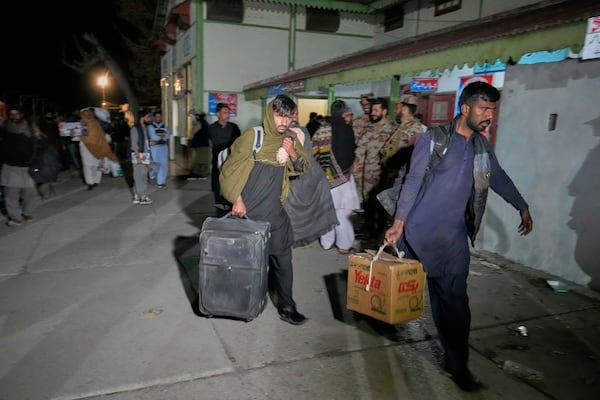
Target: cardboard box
[396,292]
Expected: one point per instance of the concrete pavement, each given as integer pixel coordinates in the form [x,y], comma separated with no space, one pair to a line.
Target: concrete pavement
[96,303]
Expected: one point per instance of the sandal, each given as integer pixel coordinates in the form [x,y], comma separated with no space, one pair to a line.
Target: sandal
[351,250]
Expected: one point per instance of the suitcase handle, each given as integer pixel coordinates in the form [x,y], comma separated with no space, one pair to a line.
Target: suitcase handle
[229,215]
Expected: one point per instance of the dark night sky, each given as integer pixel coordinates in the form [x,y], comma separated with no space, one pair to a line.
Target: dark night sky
[31,60]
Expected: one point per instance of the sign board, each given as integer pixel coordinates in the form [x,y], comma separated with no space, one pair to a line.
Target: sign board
[591,47]
[424,84]
[228,98]
[275,90]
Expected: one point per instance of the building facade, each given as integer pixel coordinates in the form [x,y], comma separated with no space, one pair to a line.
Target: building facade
[546,132]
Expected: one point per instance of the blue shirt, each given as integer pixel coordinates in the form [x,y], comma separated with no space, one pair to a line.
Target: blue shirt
[155,129]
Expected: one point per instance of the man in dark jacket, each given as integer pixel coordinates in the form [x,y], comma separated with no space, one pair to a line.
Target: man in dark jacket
[430,223]
[18,139]
[222,134]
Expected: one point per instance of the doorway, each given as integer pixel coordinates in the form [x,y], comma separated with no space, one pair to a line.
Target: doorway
[308,105]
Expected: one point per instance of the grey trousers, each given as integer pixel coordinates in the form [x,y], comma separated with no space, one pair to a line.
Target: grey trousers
[140,179]
[14,208]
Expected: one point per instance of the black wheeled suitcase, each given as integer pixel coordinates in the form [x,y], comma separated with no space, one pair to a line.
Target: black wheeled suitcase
[234,260]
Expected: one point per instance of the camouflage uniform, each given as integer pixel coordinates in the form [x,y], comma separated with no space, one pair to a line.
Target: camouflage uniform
[359,124]
[398,140]
[367,167]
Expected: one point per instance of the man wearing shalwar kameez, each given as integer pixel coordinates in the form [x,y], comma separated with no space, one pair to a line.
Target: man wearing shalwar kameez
[436,216]
[258,184]
[93,148]
[158,136]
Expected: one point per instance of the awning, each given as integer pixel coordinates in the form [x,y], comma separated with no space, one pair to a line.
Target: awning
[504,49]
[357,6]
[179,17]
[506,37]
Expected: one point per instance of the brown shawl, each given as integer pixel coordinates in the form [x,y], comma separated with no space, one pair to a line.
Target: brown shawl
[95,139]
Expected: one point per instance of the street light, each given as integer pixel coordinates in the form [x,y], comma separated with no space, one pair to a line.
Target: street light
[103,81]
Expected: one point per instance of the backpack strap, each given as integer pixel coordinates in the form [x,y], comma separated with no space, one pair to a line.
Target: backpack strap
[258,140]
[256,146]
[440,137]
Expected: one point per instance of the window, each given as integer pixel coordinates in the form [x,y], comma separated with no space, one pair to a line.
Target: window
[393,17]
[224,10]
[439,110]
[446,6]
[322,20]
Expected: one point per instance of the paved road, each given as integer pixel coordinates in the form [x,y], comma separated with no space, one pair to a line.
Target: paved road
[95,303]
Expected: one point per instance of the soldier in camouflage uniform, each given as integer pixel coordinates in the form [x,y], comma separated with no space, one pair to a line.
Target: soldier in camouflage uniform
[360,122]
[367,166]
[394,159]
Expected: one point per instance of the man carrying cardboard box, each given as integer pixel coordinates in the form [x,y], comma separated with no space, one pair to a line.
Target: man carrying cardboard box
[431,224]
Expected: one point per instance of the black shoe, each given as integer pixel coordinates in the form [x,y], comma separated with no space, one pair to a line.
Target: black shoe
[465,380]
[292,316]
[90,187]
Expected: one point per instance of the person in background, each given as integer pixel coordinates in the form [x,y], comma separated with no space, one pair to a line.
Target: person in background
[18,137]
[393,160]
[138,144]
[360,122]
[158,135]
[121,147]
[419,117]
[119,137]
[72,143]
[367,168]
[47,160]
[49,126]
[222,134]
[93,147]
[348,117]
[200,145]
[431,224]
[333,148]
[258,185]
[314,123]
[395,154]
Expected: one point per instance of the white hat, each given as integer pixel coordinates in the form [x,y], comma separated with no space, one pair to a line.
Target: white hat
[102,114]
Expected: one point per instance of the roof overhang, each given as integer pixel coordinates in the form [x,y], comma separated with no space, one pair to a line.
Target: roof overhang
[179,17]
[505,37]
[357,6]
